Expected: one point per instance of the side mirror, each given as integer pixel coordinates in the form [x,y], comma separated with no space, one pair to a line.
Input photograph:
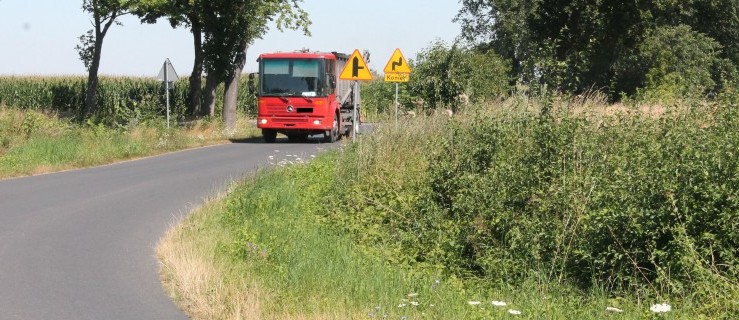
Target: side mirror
[332,81]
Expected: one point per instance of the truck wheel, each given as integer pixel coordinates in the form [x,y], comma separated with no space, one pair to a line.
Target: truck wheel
[333,134]
[270,136]
[348,130]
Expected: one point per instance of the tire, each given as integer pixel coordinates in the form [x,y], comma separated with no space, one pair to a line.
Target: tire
[349,130]
[270,135]
[333,134]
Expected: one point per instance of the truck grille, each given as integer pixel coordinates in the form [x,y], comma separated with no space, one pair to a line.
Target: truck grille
[291,120]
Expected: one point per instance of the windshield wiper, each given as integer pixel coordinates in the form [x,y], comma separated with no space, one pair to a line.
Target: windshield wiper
[283,97]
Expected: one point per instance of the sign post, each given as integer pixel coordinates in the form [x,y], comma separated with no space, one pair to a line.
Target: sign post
[355,117]
[355,69]
[396,102]
[169,76]
[397,70]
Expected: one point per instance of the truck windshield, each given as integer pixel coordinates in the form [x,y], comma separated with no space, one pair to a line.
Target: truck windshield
[291,77]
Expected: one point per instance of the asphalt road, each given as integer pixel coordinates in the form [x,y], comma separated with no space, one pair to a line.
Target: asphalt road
[80,244]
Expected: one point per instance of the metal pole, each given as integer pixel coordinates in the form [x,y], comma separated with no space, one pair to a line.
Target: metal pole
[166,88]
[356,98]
[396,103]
[359,115]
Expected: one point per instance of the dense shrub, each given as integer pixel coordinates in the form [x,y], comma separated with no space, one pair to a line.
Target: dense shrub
[638,201]
[679,63]
[378,96]
[441,74]
[633,202]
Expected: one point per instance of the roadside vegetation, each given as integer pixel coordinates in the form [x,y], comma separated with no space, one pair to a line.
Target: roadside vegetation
[43,127]
[34,142]
[122,101]
[539,169]
[548,164]
[561,208]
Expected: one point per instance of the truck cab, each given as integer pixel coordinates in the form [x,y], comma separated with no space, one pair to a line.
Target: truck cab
[300,95]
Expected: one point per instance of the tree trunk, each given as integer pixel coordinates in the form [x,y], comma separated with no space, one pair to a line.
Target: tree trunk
[230,100]
[231,92]
[196,105]
[211,83]
[91,94]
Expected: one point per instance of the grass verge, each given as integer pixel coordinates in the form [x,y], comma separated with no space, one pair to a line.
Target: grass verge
[32,142]
[267,251]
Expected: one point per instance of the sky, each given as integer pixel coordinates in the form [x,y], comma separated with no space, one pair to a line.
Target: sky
[38,37]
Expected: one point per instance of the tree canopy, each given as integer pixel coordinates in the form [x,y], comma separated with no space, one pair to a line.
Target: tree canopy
[222,31]
[579,45]
[229,27]
[104,13]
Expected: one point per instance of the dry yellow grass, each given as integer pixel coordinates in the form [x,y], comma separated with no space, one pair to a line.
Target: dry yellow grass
[204,287]
[196,281]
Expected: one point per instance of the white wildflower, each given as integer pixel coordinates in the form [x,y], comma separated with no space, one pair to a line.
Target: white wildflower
[473,303]
[613,309]
[661,308]
[401,305]
[411,295]
[499,303]
[415,303]
[514,312]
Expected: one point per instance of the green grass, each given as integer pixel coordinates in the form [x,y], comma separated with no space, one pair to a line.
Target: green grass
[34,142]
[270,231]
[357,229]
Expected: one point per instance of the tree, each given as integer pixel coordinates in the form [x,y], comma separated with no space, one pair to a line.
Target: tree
[436,75]
[443,76]
[188,13]
[229,27]
[104,13]
[679,61]
[578,45]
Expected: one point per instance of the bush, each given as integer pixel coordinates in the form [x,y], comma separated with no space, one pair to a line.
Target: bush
[634,203]
[378,96]
[442,74]
[679,63]
[631,202]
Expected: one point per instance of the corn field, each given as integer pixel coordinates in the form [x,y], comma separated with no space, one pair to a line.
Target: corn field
[121,100]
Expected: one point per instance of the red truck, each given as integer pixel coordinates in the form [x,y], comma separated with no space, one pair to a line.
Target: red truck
[300,94]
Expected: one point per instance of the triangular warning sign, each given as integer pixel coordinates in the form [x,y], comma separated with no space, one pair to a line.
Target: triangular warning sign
[168,72]
[356,68]
[397,63]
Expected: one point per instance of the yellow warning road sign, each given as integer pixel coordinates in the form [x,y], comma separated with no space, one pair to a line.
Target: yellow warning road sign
[355,68]
[397,63]
[397,77]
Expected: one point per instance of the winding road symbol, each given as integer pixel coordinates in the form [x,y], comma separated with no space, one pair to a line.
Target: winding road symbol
[397,63]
